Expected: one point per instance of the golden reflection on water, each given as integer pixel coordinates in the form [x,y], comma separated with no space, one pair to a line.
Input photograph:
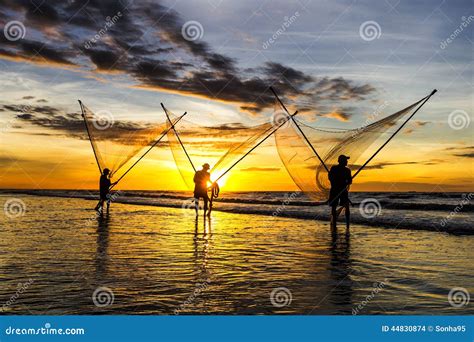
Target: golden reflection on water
[158,260]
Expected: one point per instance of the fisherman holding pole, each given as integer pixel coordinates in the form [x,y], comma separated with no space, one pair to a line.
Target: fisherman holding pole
[104,188]
[341,180]
[201,180]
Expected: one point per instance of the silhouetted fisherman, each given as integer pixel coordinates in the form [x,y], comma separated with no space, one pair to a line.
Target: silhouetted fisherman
[341,179]
[104,189]
[202,178]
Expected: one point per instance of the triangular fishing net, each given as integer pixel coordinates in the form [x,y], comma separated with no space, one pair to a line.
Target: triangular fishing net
[222,146]
[115,142]
[308,171]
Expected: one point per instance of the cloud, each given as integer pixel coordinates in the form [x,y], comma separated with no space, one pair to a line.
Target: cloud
[462,151]
[465,155]
[338,115]
[415,124]
[146,43]
[58,122]
[71,124]
[39,52]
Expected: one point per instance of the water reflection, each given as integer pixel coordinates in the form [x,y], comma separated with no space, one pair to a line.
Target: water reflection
[202,248]
[101,257]
[341,270]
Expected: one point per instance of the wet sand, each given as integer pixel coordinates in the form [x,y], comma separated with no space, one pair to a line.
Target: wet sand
[60,258]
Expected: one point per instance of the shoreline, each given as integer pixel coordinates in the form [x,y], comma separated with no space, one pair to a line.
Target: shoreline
[289,211]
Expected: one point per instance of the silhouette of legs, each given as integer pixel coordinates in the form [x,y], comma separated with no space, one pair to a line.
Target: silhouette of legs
[206,204]
[348,215]
[334,215]
[196,205]
[100,205]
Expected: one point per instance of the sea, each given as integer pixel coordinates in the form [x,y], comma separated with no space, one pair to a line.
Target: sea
[451,212]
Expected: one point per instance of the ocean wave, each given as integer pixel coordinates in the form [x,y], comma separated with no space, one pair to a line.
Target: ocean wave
[426,215]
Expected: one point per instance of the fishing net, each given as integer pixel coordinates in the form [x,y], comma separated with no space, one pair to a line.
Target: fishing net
[296,140]
[116,142]
[222,146]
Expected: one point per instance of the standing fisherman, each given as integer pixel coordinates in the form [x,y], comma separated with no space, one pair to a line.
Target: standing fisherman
[104,189]
[341,179]
[201,180]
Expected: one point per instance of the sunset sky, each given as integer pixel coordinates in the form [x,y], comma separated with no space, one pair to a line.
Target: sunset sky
[337,62]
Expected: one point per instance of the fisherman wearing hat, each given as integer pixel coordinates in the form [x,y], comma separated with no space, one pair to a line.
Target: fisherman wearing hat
[201,180]
[104,189]
[341,179]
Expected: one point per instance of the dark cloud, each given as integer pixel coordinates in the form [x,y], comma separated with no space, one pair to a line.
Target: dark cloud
[56,120]
[465,155]
[72,124]
[35,52]
[27,97]
[105,60]
[462,151]
[40,12]
[145,40]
